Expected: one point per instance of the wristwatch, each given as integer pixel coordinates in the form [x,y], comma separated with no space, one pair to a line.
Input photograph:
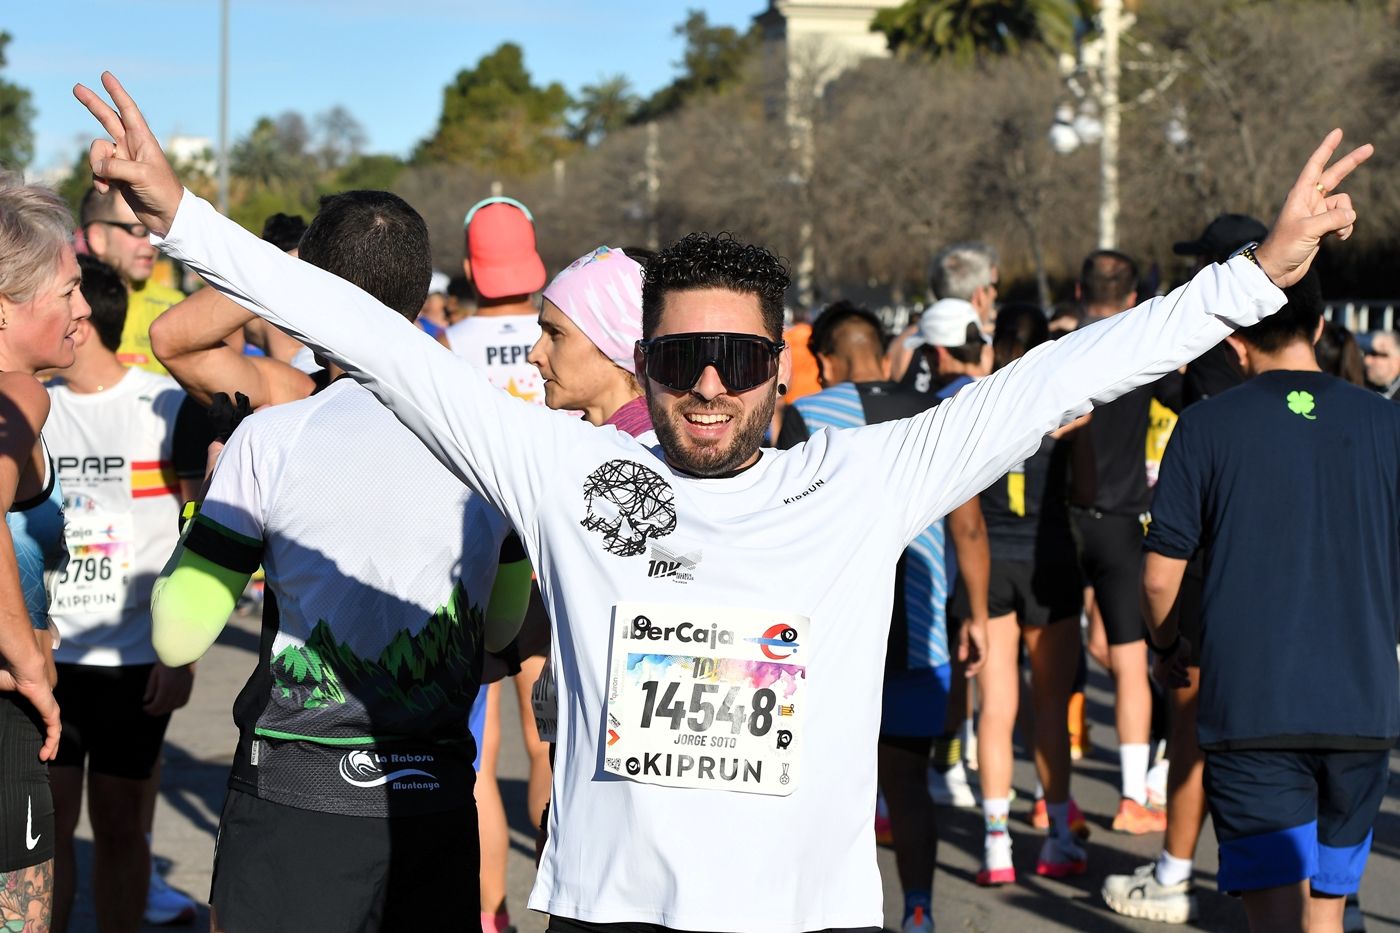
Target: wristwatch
[1247,251]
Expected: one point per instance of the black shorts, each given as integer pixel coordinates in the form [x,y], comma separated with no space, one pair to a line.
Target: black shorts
[26,804]
[1038,592]
[280,868]
[565,925]
[1284,816]
[103,723]
[1110,552]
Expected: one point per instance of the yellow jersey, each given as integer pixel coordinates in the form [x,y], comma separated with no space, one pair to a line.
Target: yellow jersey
[144,304]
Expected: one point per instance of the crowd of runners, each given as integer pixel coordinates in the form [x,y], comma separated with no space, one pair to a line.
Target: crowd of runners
[756,588]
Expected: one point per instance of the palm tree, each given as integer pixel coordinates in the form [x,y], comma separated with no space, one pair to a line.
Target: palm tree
[603,108]
[966,29]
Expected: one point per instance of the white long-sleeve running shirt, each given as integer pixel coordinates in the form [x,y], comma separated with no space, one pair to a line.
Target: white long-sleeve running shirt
[718,643]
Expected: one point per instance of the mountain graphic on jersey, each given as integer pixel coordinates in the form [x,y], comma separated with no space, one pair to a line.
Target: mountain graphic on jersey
[418,683]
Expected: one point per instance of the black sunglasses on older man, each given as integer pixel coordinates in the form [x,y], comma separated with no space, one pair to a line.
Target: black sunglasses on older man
[140,230]
[743,361]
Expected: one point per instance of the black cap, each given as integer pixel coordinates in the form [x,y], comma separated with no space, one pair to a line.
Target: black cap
[1223,236]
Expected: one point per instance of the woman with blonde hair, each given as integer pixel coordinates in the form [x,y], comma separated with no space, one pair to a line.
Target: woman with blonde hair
[40,305]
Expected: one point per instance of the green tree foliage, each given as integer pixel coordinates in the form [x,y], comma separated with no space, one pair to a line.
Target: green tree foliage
[495,117]
[374,172]
[967,29]
[603,108]
[715,58]
[274,152]
[16,114]
[79,179]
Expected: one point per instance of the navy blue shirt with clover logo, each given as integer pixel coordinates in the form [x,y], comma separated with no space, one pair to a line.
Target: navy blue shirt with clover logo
[1290,486]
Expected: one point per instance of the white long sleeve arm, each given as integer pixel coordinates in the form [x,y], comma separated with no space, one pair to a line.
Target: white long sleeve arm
[501,447]
[952,452]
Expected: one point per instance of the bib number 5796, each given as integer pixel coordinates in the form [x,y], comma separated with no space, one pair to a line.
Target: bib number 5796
[660,702]
[86,570]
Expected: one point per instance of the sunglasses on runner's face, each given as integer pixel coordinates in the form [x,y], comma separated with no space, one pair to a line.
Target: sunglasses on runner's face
[138,230]
[743,361]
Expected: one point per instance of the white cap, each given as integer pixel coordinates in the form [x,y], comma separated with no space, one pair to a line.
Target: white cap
[437,285]
[945,324]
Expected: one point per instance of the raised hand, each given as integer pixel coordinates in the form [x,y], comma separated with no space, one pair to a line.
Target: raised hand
[131,161]
[1311,212]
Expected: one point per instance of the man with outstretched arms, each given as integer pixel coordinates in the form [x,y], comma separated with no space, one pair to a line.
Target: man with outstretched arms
[717,727]
[353,726]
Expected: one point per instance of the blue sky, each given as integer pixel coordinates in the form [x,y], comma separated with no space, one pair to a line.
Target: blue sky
[385,60]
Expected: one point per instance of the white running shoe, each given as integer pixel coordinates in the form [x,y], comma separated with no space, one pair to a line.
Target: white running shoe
[1157,784]
[997,867]
[951,788]
[167,906]
[1139,895]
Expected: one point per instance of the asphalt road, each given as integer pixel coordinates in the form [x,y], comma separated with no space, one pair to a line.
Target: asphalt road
[201,740]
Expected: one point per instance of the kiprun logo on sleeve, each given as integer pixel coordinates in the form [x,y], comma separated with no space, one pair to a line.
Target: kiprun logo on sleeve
[1302,403]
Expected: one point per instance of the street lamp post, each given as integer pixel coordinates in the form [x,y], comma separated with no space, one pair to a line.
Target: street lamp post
[223,106]
[1110,13]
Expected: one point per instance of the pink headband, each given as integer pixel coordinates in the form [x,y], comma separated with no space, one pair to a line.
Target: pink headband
[602,294]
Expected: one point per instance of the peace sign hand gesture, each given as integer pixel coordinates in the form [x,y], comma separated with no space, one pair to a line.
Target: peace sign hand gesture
[1311,212]
[131,160]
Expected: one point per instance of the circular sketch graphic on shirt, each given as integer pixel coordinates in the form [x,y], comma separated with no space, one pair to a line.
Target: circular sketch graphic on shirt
[628,504]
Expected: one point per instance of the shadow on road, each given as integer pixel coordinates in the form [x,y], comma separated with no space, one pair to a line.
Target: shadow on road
[194,788]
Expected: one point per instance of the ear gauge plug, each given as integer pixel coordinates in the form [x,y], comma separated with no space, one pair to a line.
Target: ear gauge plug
[782,389]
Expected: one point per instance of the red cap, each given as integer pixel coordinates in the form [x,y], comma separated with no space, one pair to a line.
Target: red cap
[501,249]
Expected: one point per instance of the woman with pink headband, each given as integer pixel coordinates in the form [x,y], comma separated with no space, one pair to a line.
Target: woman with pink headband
[590,321]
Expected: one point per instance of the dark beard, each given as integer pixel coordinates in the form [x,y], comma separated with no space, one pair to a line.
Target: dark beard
[713,461]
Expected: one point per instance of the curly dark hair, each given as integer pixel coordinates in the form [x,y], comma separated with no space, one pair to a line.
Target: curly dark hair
[700,260]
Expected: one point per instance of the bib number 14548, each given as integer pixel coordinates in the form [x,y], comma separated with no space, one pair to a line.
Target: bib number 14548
[757,718]
[706,697]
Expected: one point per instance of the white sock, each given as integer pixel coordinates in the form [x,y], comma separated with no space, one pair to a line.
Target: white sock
[995,812]
[1059,818]
[1172,870]
[1039,790]
[1132,761]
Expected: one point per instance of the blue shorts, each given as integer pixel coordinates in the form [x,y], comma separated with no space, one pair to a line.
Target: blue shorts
[476,722]
[1285,816]
[915,702]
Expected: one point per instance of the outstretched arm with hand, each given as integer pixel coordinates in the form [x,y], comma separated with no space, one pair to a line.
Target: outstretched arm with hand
[943,456]
[503,448]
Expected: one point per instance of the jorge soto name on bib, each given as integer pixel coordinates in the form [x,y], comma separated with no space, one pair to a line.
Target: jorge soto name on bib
[643,628]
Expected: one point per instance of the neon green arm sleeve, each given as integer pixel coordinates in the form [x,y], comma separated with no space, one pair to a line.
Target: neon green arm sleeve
[190,605]
[510,596]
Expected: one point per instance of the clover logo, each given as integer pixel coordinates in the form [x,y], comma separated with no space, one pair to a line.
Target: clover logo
[1301,403]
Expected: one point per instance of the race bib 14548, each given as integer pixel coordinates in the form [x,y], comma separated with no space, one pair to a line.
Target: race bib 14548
[706,697]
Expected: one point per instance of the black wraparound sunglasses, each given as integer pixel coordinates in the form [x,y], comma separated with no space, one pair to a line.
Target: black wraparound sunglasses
[140,230]
[743,361]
